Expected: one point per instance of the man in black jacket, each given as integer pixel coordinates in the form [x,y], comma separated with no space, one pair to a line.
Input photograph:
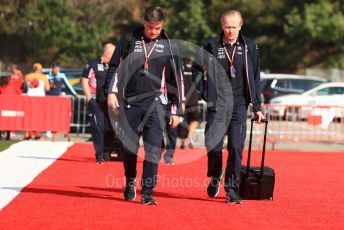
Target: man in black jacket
[145,75]
[236,62]
[93,83]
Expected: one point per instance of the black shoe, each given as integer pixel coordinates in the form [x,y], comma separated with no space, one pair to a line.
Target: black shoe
[214,186]
[168,160]
[27,138]
[130,190]
[148,200]
[99,161]
[99,158]
[233,197]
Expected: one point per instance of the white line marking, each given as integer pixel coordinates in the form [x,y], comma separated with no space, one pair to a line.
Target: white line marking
[22,162]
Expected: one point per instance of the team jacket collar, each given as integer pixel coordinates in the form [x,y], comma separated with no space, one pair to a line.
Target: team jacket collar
[240,39]
[139,35]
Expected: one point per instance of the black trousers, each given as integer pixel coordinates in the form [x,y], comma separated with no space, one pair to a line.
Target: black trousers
[149,122]
[171,141]
[236,133]
[100,124]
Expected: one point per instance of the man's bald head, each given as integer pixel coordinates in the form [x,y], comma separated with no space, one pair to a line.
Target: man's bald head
[108,50]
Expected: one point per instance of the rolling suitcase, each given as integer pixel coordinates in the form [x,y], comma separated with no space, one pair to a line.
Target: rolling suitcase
[257,183]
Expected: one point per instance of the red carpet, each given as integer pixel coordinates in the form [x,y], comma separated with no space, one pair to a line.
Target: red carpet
[75,193]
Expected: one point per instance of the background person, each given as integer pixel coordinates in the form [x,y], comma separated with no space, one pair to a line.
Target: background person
[9,85]
[18,76]
[57,80]
[93,81]
[37,85]
[171,141]
[192,114]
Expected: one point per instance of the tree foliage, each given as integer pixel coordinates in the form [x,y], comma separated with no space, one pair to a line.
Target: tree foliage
[190,17]
[59,30]
[292,35]
[320,25]
[55,30]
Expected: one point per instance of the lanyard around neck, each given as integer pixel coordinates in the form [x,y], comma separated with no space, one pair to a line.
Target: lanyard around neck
[145,51]
[230,59]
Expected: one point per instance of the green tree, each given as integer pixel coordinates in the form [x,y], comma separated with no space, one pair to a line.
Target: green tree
[186,20]
[69,31]
[320,26]
[54,30]
[292,35]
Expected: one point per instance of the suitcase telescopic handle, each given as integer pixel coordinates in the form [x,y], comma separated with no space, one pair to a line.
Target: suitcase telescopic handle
[250,145]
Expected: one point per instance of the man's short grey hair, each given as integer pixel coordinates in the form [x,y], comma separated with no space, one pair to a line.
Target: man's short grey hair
[232,12]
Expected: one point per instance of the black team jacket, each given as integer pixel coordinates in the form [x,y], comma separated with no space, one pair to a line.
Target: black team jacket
[164,79]
[207,70]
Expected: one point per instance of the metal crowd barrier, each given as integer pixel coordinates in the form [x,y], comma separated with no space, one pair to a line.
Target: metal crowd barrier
[286,123]
[304,123]
[79,121]
[81,125]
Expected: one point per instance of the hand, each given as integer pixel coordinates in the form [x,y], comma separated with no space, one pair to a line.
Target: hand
[113,103]
[88,98]
[259,115]
[174,121]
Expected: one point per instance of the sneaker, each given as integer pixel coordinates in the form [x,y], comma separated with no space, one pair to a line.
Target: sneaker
[232,197]
[130,190]
[99,158]
[168,160]
[99,161]
[214,186]
[148,200]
